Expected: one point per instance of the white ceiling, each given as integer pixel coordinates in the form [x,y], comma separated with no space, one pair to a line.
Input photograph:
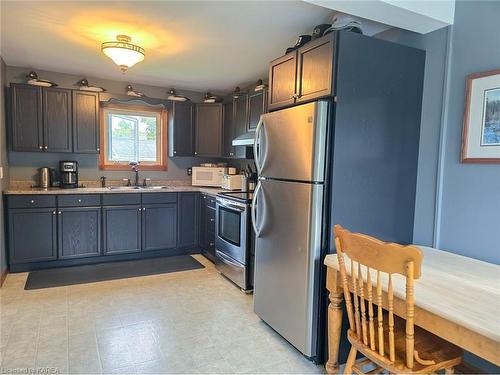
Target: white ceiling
[191,45]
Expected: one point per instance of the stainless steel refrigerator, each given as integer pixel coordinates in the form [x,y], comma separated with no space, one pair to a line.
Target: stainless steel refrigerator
[288,206]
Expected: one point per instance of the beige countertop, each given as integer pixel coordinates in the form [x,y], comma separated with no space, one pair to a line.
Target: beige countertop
[106,190]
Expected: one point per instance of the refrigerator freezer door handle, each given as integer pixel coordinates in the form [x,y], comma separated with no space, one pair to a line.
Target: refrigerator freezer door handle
[256,145]
[256,228]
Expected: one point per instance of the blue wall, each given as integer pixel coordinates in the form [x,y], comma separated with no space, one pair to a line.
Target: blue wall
[458,205]
[469,211]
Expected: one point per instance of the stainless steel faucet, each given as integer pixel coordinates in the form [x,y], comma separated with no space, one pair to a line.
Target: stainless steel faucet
[135,168]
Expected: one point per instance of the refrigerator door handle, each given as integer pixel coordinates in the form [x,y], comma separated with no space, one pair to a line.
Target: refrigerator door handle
[257,149]
[256,227]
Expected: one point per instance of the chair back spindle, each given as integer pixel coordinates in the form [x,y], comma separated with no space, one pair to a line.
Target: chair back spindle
[365,252]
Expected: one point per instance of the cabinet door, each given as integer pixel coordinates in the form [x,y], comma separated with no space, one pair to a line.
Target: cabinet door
[228,130]
[256,107]
[159,226]
[181,126]
[57,120]
[209,129]
[26,119]
[315,69]
[85,122]
[121,229]
[188,219]
[282,73]
[203,222]
[240,114]
[32,235]
[79,232]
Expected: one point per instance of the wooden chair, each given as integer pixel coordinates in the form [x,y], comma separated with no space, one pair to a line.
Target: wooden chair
[388,342]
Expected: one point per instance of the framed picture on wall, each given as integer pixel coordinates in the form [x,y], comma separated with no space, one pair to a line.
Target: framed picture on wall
[481,133]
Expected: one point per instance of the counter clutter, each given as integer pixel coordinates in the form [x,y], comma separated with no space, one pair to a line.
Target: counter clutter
[110,190]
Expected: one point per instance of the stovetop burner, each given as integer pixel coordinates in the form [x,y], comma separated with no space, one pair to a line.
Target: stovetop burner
[240,196]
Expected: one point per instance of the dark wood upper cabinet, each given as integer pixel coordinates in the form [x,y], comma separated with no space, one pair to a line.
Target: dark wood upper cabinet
[85,122]
[240,114]
[54,120]
[26,118]
[57,120]
[181,129]
[229,133]
[257,105]
[282,74]
[303,75]
[208,134]
[315,69]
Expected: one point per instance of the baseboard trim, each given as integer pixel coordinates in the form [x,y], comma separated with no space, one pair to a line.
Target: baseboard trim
[3,276]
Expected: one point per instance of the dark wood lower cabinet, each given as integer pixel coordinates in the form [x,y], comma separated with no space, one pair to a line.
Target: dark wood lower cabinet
[44,234]
[32,235]
[159,226]
[207,226]
[121,229]
[187,219]
[79,232]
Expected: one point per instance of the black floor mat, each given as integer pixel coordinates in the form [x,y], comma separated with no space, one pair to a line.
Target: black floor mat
[109,271]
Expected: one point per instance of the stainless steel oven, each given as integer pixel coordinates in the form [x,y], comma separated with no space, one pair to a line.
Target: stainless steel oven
[233,241]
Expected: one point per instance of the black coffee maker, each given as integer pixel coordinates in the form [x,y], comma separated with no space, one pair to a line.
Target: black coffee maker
[69,174]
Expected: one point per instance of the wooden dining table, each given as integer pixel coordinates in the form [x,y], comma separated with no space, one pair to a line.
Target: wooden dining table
[456,298]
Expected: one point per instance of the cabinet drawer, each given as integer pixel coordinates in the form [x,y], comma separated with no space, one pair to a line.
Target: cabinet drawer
[31,201]
[211,220]
[208,200]
[76,200]
[120,199]
[152,198]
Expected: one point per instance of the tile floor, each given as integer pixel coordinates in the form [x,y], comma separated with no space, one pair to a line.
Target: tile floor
[184,322]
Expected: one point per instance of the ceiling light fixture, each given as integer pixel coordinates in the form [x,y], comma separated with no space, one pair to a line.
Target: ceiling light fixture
[122,52]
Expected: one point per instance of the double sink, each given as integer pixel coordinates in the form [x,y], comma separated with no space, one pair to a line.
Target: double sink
[139,187]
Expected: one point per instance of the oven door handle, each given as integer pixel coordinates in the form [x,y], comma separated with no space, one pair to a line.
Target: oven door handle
[226,259]
[224,203]
[257,229]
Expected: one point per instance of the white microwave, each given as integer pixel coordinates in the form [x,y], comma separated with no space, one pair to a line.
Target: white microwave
[233,182]
[207,176]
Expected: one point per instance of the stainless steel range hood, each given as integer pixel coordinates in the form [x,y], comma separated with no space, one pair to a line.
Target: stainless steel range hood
[244,139]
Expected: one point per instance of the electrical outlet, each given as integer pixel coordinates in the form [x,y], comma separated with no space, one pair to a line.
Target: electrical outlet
[190,171]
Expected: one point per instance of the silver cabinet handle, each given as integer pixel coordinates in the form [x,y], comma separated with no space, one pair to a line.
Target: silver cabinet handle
[175,152]
[79,201]
[212,220]
[45,147]
[40,147]
[53,212]
[32,201]
[211,244]
[59,212]
[98,149]
[144,208]
[140,209]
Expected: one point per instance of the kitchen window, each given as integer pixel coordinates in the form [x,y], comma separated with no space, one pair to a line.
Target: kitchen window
[132,133]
